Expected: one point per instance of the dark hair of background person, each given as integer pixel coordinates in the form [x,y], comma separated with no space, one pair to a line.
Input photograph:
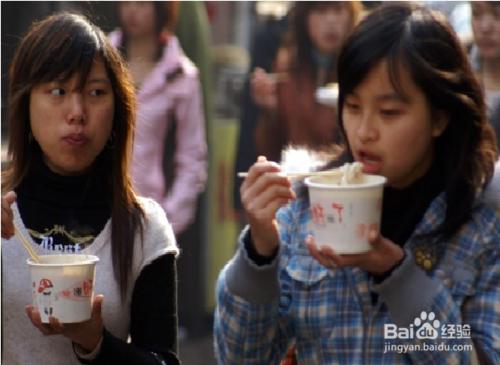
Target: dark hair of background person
[422,42]
[56,49]
[166,13]
[299,37]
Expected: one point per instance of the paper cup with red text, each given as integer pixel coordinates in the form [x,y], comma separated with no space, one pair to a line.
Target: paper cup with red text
[342,215]
[63,286]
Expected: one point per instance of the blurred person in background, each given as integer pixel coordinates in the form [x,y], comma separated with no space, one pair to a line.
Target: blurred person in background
[485,55]
[289,112]
[170,153]
[267,39]
[68,189]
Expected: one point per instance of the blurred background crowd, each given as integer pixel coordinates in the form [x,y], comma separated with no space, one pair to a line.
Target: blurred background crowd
[243,51]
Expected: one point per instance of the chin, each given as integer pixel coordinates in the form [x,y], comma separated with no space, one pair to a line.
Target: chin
[74,169]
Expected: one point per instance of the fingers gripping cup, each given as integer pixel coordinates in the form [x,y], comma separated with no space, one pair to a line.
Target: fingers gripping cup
[343,214]
[63,286]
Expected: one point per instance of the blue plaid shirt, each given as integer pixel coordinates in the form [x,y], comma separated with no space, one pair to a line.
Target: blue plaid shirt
[333,316]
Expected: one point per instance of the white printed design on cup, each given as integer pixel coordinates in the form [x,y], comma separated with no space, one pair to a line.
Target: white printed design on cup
[335,215]
[319,217]
[343,215]
[362,230]
[78,291]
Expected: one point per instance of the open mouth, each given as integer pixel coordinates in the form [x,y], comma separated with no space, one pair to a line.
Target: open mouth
[372,164]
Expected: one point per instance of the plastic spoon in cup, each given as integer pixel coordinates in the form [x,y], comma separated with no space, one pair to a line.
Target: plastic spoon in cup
[26,244]
[334,172]
[348,172]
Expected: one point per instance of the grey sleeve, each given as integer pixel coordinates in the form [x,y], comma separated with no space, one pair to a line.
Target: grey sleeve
[407,291]
[255,284]
[492,192]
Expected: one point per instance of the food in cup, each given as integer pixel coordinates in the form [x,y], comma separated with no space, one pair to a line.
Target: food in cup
[352,173]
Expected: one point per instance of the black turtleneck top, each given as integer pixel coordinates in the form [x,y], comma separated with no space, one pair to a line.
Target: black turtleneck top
[404,208]
[66,214]
[63,213]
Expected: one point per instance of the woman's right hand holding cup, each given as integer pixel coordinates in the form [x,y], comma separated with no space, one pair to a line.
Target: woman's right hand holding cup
[263,192]
[7,215]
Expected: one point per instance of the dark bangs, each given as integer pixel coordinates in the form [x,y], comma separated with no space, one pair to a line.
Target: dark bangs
[371,41]
[62,49]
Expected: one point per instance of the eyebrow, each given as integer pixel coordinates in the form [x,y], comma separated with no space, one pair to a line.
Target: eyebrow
[98,80]
[393,96]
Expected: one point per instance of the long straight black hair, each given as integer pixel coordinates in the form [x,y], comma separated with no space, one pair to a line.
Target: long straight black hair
[422,42]
[57,48]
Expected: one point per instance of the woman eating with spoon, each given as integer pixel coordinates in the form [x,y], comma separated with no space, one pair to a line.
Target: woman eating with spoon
[411,111]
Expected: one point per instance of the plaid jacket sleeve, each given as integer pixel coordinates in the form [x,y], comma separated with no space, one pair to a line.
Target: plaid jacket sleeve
[250,333]
[246,333]
[465,295]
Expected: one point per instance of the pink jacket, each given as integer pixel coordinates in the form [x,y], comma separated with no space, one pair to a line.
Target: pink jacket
[167,95]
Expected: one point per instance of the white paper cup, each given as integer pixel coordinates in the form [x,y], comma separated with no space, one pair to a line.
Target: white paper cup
[63,286]
[342,215]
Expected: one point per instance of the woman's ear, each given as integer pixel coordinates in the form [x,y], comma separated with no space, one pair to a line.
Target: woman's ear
[440,123]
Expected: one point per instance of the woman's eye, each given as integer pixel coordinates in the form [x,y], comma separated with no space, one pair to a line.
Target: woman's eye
[390,112]
[97,92]
[352,106]
[57,91]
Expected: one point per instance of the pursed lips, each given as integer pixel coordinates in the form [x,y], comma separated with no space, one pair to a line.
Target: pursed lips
[76,139]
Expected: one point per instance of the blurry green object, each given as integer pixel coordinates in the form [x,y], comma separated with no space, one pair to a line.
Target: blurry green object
[223,226]
[193,32]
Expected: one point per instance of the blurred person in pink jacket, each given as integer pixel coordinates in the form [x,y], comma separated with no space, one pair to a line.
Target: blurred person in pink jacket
[170,153]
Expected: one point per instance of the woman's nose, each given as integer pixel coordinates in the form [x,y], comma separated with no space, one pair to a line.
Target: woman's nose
[367,131]
[76,112]
[486,23]
[331,16]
